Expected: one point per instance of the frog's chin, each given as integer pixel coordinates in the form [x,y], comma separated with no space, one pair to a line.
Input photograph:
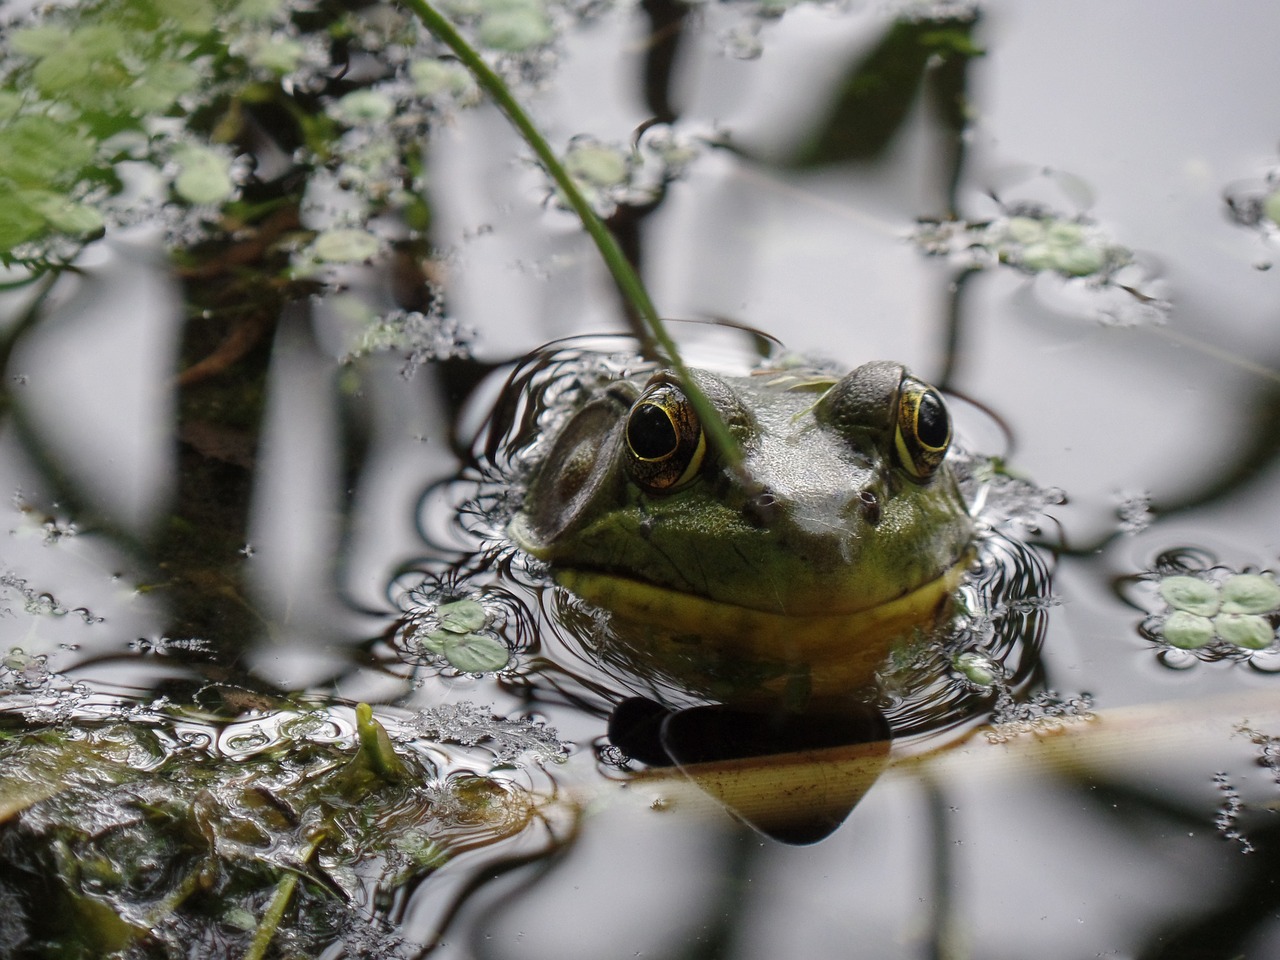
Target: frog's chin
[855,642]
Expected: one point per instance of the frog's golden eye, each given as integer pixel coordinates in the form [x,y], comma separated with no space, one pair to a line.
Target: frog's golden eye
[665,442]
[923,431]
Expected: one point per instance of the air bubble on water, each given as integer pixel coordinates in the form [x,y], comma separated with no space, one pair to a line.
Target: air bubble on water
[240,740]
[1227,818]
[1045,712]
[1134,511]
[743,42]
[1015,500]
[507,738]
[1268,749]
[421,337]
[1266,661]
[1176,659]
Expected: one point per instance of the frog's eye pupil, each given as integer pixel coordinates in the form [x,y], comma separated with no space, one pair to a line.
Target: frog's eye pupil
[933,427]
[650,432]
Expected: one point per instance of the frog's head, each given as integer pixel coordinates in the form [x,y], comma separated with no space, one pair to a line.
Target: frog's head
[847,527]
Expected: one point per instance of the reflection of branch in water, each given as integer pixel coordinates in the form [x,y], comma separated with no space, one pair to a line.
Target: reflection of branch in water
[1260,438]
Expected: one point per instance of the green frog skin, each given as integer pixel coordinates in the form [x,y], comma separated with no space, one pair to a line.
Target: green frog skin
[844,530]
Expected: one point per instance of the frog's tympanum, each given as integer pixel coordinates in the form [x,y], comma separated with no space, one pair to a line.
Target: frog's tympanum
[844,532]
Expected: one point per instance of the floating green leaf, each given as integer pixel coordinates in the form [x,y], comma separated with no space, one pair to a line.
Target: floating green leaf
[64,214]
[433,78]
[204,175]
[1246,630]
[364,108]
[597,164]
[514,26]
[977,668]
[1271,206]
[38,151]
[279,55]
[345,245]
[461,616]
[1191,594]
[1187,630]
[475,652]
[1250,593]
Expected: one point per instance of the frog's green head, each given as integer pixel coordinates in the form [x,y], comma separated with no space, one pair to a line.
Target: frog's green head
[848,508]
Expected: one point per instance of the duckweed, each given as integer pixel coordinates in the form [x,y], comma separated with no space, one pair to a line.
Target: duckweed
[204,175]
[1245,630]
[1188,631]
[1067,247]
[441,78]
[345,245]
[1238,612]
[364,108]
[1271,206]
[1250,593]
[597,164]
[458,642]
[514,26]
[1190,594]
[977,668]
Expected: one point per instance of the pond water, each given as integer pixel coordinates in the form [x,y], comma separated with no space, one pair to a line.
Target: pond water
[1062,215]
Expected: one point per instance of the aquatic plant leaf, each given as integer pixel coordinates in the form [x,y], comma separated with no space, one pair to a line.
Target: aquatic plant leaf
[40,40]
[62,213]
[507,737]
[345,245]
[432,78]
[364,108]
[18,223]
[1187,631]
[461,616]
[1250,593]
[36,151]
[1191,594]
[375,746]
[35,775]
[204,177]
[160,85]
[129,824]
[475,652]
[515,30]
[1271,206]
[1246,630]
[597,164]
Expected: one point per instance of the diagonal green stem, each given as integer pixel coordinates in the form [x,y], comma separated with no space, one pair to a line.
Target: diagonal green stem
[279,903]
[623,274]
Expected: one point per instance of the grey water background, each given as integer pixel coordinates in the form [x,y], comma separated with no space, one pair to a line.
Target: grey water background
[1144,119]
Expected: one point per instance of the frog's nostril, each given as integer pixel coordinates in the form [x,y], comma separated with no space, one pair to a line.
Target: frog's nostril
[869,507]
[761,508]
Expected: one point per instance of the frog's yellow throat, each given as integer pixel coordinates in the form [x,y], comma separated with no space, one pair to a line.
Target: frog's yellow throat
[839,652]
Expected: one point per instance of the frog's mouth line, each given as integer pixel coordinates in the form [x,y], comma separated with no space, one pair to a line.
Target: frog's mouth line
[798,637]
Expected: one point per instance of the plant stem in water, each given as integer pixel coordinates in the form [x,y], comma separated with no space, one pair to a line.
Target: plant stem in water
[624,275]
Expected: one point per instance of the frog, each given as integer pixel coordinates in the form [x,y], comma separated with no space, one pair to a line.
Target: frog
[841,533]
